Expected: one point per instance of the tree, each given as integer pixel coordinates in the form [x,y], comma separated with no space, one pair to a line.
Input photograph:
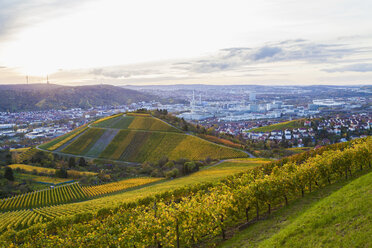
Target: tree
[169,165]
[185,128]
[189,167]
[172,173]
[82,162]
[8,174]
[61,173]
[71,162]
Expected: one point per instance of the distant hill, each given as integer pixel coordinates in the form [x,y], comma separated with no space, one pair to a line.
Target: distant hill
[23,97]
[137,138]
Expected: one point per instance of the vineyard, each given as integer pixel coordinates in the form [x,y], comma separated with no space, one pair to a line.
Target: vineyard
[61,140]
[92,191]
[139,146]
[23,155]
[136,122]
[204,176]
[84,142]
[187,217]
[53,196]
[68,193]
[107,118]
[197,149]
[19,219]
[139,138]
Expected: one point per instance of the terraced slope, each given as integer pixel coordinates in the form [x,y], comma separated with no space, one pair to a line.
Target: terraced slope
[42,214]
[140,138]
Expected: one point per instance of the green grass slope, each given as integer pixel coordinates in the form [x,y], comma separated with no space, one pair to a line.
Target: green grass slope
[338,215]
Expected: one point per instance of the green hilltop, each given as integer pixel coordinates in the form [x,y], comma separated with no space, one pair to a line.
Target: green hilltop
[137,138]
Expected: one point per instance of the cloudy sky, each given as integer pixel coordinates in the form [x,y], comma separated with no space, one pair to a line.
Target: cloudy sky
[195,41]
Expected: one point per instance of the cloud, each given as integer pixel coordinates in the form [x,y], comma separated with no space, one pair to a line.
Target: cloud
[274,61]
[365,67]
[285,51]
[17,14]
[266,52]
[117,73]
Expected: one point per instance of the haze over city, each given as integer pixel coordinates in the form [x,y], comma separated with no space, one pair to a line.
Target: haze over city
[188,42]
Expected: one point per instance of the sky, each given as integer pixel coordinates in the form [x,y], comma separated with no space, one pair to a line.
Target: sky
[120,42]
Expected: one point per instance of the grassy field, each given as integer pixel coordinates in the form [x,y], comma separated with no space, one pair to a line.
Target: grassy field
[31,168]
[43,179]
[50,171]
[280,126]
[338,215]
[297,150]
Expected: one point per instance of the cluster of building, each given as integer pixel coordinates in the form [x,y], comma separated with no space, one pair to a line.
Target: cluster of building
[347,124]
[338,126]
[248,109]
[280,135]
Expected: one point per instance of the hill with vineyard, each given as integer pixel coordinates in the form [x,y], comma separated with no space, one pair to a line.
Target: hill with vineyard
[137,138]
[206,207]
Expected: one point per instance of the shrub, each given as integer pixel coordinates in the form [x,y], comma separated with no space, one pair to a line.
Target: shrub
[169,165]
[172,173]
[8,174]
[62,173]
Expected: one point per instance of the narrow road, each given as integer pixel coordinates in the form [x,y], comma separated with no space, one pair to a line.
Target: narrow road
[249,154]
